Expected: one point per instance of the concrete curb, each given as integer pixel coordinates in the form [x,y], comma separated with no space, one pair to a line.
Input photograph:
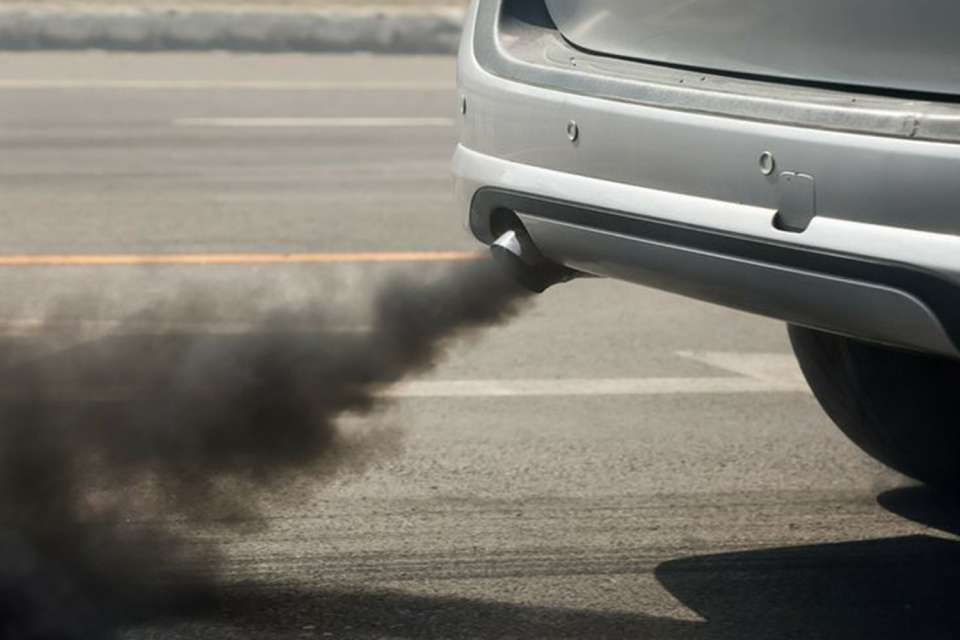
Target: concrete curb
[424,31]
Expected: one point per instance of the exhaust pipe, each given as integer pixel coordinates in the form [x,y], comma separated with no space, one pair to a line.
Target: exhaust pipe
[515,252]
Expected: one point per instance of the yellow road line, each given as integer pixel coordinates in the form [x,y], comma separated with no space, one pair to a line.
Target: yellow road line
[257,85]
[234,258]
[342,123]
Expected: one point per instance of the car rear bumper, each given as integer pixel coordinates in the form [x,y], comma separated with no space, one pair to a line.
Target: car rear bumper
[878,256]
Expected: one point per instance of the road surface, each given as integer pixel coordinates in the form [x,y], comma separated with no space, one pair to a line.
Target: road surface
[616,463]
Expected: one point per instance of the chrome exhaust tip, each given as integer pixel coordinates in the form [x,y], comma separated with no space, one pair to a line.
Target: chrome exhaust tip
[516,253]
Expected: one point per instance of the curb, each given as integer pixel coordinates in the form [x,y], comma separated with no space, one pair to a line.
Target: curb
[427,31]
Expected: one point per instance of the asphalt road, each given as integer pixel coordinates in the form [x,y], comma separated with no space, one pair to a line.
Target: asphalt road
[615,463]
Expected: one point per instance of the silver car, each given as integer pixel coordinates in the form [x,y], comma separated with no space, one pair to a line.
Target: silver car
[800,160]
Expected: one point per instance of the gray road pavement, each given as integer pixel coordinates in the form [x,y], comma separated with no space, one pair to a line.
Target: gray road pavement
[654,468]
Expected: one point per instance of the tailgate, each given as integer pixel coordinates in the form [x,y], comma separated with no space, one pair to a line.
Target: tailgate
[885,45]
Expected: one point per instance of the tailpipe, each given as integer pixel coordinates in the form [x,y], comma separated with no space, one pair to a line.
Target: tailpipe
[516,253]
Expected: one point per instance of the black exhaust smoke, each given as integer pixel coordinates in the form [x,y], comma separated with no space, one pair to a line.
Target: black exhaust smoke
[103,445]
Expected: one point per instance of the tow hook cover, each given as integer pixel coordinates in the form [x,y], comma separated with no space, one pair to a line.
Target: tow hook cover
[797,203]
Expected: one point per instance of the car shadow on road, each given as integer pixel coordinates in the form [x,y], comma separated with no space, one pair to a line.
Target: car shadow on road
[272,612]
[936,509]
[887,588]
[904,587]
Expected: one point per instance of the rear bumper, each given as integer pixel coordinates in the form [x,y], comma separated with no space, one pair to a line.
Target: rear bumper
[881,247]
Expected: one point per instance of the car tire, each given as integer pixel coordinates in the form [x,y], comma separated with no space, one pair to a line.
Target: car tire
[901,407]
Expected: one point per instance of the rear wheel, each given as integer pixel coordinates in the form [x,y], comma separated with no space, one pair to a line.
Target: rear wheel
[902,408]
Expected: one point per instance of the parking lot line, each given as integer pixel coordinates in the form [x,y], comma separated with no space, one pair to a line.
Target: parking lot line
[247,123]
[754,373]
[590,387]
[780,379]
[238,258]
[514,388]
[775,367]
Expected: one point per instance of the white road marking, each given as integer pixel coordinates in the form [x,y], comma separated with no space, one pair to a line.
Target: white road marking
[243,85]
[760,373]
[314,122]
[757,373]
[776,368]
[585,387]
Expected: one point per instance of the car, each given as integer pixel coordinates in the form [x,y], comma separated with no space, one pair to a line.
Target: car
[795,160]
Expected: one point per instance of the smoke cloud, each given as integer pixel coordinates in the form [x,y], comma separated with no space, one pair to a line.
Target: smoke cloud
[109,447]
